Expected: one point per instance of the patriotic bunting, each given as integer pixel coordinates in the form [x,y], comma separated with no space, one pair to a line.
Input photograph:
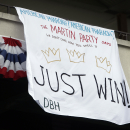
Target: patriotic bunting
[12,58]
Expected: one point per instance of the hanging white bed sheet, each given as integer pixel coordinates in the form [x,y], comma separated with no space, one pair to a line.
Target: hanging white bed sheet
[12,58]
[74,69]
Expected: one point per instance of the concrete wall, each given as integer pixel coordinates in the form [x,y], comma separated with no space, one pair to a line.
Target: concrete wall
[10,25]
[124,52]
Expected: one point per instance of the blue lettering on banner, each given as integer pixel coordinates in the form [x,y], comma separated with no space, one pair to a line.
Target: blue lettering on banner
[57,20]
[70,24]
[79,26]
[103,32]
[32,13]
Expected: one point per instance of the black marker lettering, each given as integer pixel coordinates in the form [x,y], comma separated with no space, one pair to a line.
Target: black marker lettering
[45,99]
[111,90]
[42,76]
[80,81]
[126,91]
[50,84]
[101,89]
[117,91]
[57,105]
[67,84]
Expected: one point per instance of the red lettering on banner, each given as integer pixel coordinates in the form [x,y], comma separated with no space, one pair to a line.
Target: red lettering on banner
[88,38]
[107,43]
[72,35]
[92,38]
[66,32]
[96,39]
[44,26]
[63,31]
[53,28]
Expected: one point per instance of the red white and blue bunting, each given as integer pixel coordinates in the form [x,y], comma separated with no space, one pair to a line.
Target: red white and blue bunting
[12,58]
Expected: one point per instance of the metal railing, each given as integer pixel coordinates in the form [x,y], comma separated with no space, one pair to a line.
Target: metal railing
[119,34]
[122,35]
[8,7]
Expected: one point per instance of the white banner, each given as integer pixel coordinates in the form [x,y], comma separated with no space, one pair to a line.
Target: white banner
[74,69]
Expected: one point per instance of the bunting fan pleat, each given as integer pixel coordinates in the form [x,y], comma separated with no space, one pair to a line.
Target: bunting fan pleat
[12,58]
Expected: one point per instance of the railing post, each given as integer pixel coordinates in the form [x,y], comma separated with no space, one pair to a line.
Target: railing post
[8,9]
